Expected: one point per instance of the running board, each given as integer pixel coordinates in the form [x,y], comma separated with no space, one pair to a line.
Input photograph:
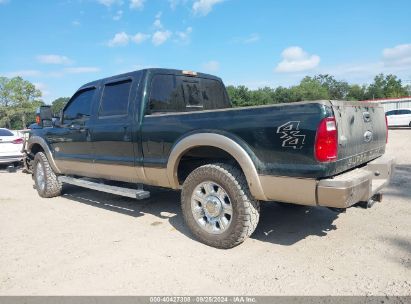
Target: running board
[133,193]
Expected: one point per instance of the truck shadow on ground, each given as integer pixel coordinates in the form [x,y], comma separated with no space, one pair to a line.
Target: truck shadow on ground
[280,224]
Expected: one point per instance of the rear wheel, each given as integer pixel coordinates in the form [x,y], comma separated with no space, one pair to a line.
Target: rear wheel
[45,179]
[218,207]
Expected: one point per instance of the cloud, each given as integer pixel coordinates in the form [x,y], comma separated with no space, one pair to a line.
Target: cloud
[295,59]
[252,38]
[157,24]
[136,4]
[75,23]
[139,38]
[175,3]
[395,60]
[4,1]
[211,66]
[204,7]
[118,15]
[119,39]
[109,3]
[24,73]
[43,88]
[399,55]
[54,59]
[81,70]
[159,37]
[184,37]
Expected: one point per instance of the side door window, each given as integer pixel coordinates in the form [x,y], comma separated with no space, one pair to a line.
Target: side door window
[114,101]
[78,110]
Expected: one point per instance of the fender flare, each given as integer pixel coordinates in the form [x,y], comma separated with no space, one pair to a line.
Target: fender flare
[218,141]
[40,141]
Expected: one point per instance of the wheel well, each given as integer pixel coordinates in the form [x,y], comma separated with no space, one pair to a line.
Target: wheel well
[199,156]
[35,149]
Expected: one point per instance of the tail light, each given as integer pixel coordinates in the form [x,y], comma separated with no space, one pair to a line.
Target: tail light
[17,141]
[386,130]
[326,140]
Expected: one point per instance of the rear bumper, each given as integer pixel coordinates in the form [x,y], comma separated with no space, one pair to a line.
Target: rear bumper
[340,191]
[357,185]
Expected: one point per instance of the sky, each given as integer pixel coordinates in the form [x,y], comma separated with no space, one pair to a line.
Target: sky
[60,45]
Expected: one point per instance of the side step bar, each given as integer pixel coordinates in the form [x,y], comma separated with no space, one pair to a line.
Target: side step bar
[133,193]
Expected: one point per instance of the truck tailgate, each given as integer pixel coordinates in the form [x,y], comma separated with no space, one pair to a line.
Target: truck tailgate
[361,131]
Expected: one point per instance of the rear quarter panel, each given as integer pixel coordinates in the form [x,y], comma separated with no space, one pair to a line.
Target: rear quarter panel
[279,138]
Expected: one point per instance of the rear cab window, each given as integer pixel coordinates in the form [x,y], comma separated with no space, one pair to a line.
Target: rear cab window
[175,93]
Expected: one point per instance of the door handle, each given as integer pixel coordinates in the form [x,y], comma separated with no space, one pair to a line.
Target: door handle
[78,128]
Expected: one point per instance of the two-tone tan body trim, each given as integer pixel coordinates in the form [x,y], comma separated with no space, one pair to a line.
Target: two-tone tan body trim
[289,189]
[340,191]
[218,141]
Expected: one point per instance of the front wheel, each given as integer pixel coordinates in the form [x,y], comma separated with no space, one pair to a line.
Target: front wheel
[218,207]
[46,181]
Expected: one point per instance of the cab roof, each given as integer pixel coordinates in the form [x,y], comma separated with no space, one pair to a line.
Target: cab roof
[148,71]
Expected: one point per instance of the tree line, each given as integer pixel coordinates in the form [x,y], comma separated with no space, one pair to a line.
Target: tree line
[19,98]
[322,86]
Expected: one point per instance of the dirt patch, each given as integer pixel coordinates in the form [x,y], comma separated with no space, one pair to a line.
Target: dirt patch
[89,243]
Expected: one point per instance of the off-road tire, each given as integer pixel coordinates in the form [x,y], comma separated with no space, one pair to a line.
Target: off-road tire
[246,209]
[52,185]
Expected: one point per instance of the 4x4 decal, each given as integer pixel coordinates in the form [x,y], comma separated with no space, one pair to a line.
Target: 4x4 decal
[290,134]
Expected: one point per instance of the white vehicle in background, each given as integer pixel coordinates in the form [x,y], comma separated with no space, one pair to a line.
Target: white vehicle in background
[399,118]
[11,146]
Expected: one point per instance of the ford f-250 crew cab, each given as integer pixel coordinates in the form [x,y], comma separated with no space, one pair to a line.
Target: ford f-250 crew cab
[177,129]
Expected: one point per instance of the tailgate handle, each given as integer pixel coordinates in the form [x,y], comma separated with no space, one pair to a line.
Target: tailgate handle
[366,116]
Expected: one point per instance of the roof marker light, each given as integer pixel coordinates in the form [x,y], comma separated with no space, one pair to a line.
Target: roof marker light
[189,73]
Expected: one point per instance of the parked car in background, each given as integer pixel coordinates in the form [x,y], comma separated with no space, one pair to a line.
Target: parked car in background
[11,146]
[399,118]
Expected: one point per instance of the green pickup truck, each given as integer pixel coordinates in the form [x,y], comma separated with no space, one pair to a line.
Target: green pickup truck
[177,129]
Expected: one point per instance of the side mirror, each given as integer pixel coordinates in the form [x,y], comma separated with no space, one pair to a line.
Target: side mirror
[56,121]
[44,116]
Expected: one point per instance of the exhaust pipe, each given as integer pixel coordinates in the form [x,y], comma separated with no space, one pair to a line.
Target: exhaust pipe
[368,204]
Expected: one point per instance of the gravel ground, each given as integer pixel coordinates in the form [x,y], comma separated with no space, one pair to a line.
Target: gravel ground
[91,243]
